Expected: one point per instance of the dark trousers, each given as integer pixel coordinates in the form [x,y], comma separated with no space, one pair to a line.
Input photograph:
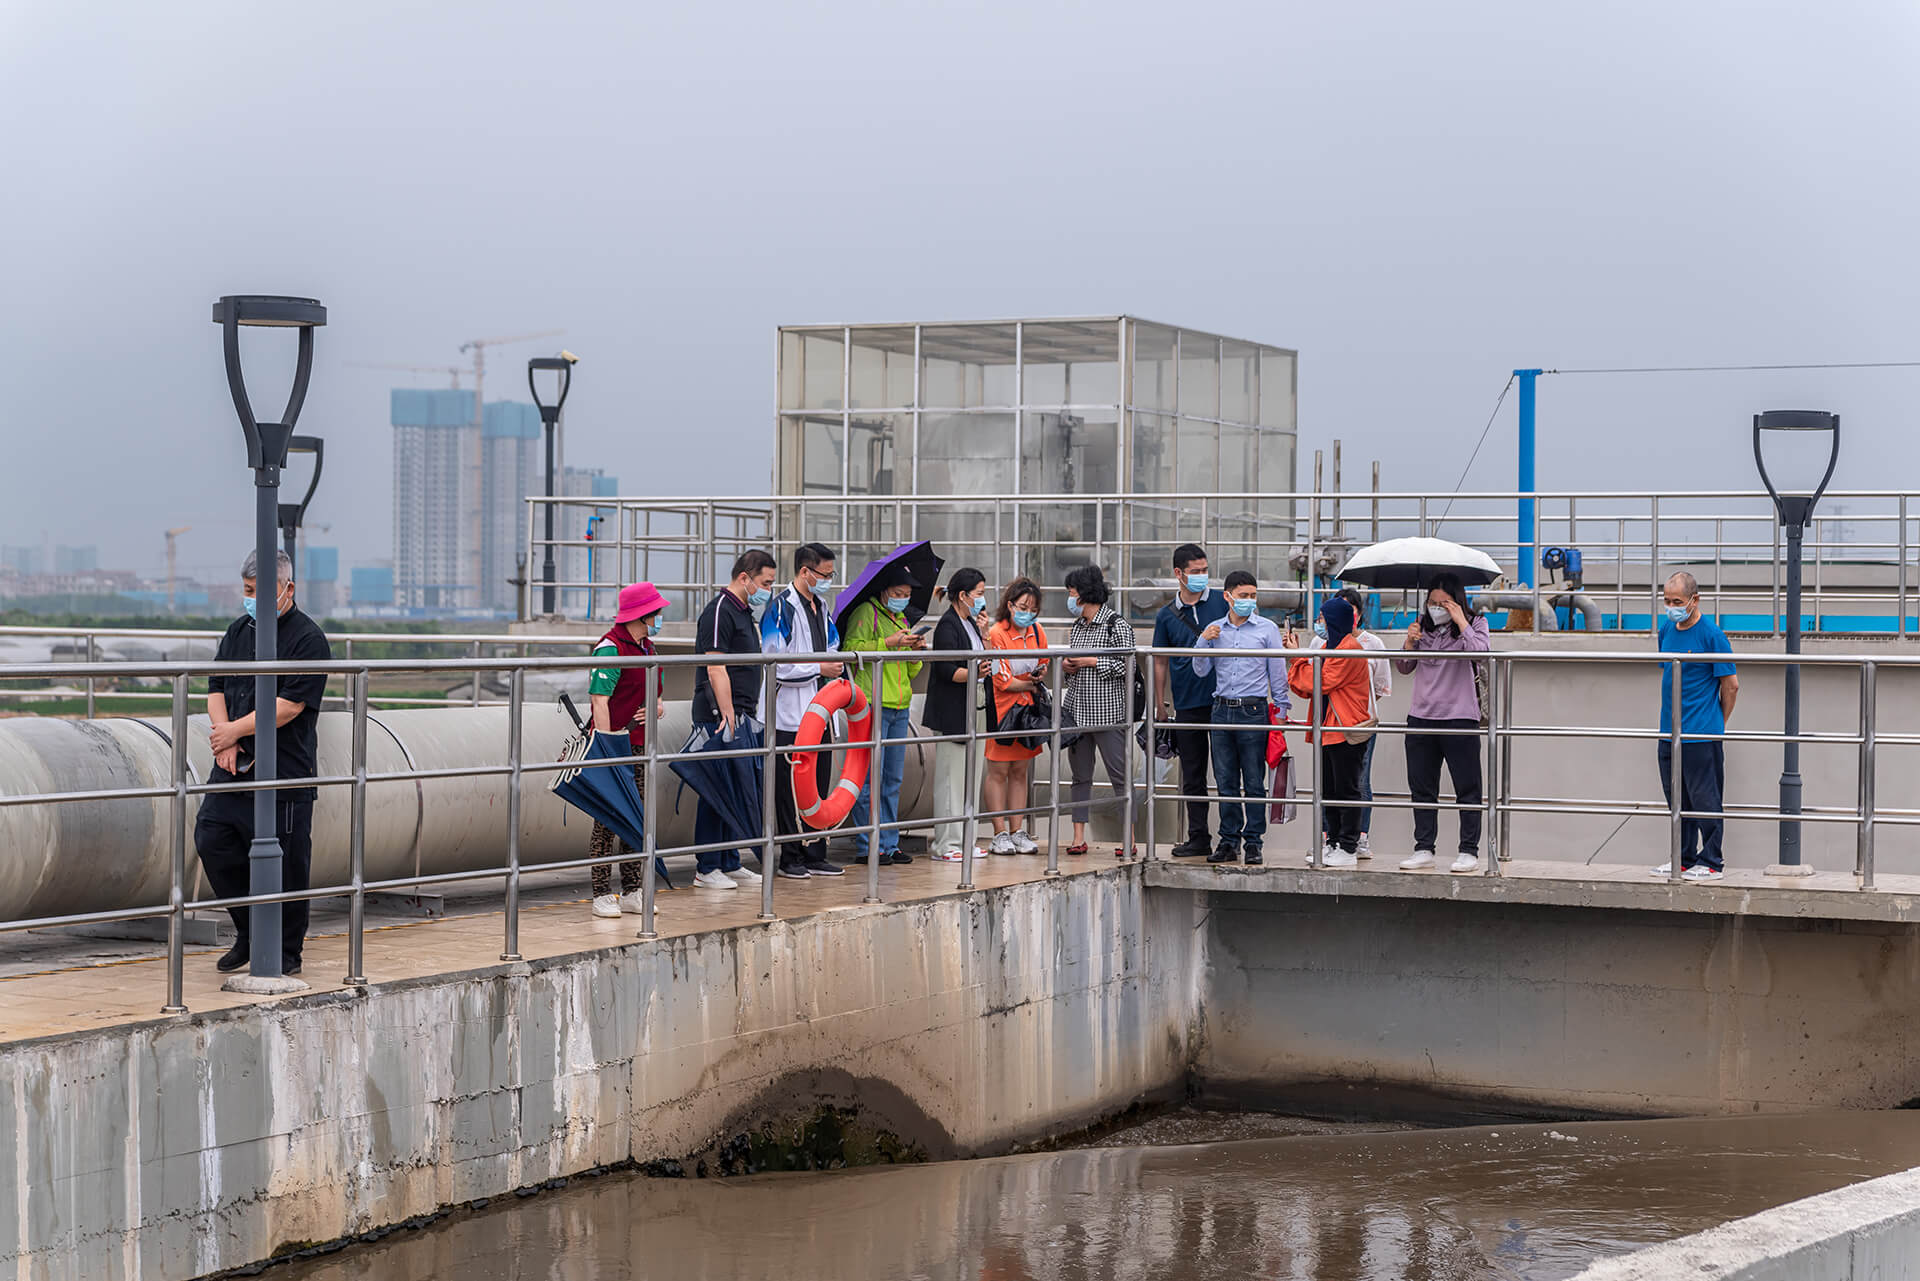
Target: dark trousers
[709,827]
[1703,776]
[787,812]
[1461,752]
[1340,767]
[1195,747]
[1366,783]
[224,833]
[1240,769]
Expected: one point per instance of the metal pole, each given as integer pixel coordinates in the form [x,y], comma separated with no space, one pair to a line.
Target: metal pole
[547,569]
[1900,596]
[1126,821]
[874,771]
[1316,840]
[516,706]
[1375,531]
[1152,760]
[971,808]
[1790,762]
[177,875]
[476,675]
[264,865]
[1053,772]
[769,826]
[1496,779]
[1313,538]
[649,821]
[1863,858]
[1506,757]
[1657,585]
[92,655]
[1674,774]
[1526,513]
[1774,628]
[357,840]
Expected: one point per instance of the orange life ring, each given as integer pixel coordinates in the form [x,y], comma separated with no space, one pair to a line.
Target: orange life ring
[836,695]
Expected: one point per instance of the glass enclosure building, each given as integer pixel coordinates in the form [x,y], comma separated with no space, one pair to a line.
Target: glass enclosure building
[1033,446]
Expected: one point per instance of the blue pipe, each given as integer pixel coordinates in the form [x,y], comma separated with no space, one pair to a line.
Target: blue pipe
[1525,537]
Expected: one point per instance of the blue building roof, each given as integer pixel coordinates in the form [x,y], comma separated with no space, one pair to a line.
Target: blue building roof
[511,418]
[419,407]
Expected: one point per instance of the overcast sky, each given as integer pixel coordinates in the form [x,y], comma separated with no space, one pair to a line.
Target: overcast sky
[1419,197]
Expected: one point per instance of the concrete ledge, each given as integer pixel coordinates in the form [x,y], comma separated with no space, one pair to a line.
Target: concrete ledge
[1867,1232]
[1553,884]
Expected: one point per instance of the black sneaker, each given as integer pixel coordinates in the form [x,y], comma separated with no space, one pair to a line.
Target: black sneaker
[1193,847]
[824,868]
[290,967]
[235,959]
[1253,857]
[1228,852]
[793,871]
[898,858]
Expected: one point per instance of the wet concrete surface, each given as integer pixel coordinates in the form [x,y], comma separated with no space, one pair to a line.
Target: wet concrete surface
[1321,1200]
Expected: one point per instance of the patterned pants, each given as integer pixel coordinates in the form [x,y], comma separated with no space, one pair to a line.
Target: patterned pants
[601,843]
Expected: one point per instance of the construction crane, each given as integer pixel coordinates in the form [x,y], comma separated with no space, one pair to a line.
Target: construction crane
[452,370]
[172,534]
[479,349]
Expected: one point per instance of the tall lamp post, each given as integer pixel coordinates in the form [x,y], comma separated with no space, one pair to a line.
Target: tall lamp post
[267,445]
[294,515]
[561,367]
[1795,510]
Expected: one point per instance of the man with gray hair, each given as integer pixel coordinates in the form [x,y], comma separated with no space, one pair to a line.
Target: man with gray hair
[223,833]
[1707,693]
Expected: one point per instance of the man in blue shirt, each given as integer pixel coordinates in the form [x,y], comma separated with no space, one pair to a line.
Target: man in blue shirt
[1243,686]
[1707,693]
[1190,700]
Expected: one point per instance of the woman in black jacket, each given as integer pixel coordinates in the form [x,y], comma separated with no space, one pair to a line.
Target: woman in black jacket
[962,627]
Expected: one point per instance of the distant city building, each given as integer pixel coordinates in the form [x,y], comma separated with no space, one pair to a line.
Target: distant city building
[76,560]
[436,501]
[319,578]
[372,585]
[573,524]
[59,559]
[511,469]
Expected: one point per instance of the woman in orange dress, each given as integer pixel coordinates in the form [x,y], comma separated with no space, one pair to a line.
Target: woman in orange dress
[1009,765]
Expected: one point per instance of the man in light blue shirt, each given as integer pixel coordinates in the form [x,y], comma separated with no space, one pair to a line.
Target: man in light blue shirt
[1243,685]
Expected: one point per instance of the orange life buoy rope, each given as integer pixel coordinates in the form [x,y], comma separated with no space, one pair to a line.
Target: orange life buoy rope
[836,695]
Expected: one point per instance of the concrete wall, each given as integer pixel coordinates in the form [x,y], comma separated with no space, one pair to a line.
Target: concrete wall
[1560,1010]
[1867,1232]
[179,1147]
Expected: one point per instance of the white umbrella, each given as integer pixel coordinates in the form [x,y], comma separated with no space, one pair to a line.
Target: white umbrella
[1410,564]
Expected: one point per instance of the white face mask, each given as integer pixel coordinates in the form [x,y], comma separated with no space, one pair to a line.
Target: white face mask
[1438,613]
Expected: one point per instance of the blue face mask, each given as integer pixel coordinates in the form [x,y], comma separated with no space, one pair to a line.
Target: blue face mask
[1320,628]
[1245,606]
[1197,584]
[251,606]
[1678,613]
[898,604]
[822,585]
[1073,603]
[653,624]
[979,607]
[1024,617]
[759,598]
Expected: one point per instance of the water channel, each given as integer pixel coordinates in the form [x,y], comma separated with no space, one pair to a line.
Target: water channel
[1173,1200]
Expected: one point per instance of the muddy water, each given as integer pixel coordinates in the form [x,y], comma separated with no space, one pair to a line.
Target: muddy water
[1519,1201]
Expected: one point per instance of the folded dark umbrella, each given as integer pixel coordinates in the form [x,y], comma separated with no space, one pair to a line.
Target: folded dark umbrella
[729,786]
[607,793]
[915,560]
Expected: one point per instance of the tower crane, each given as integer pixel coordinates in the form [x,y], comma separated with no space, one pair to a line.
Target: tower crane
[171,535]
[453,370]
[478,347]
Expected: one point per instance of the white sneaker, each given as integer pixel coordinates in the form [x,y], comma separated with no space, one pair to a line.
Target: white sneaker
[1420,859]
[606,905]
[742,876]
[1363,850]
[634,902]
[714,881]
[1464,863]
[1327,850]
[1700,872]
[1664,871]
[1003,844]
[1337,857]
[1023,844]
[951,854]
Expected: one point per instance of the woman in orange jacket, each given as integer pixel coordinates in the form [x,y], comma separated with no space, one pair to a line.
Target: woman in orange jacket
[1345,689]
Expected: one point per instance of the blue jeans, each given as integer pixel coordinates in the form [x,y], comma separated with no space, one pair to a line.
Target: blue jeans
[1240,769]
[1703,773]
[895,722]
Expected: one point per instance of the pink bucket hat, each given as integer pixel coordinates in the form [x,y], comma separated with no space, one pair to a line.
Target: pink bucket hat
[638,601]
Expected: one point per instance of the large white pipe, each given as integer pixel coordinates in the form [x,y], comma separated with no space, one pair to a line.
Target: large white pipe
[85,856]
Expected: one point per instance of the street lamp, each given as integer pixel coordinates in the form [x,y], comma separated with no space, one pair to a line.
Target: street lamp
[1794,511]
[267,445]
[293,515]
[562,367]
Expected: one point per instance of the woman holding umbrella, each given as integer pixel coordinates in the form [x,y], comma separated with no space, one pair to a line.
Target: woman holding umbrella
[619,697]
[1444,697]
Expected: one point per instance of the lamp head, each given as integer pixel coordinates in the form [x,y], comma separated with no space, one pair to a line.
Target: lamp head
[267,442]
[562,365]
[1795,505]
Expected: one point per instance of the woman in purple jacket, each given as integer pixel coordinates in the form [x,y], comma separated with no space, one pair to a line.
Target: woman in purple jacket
[1444,697]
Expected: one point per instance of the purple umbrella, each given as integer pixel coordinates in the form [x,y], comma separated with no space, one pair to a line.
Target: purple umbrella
[920,564]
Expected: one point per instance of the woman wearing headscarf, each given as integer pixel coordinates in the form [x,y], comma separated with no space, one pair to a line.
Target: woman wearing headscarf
[1346,696]
[1444,697]
[1382,687]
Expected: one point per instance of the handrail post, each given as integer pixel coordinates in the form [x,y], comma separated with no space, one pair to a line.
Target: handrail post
[1863,859]
[516,705]
[476,675]
[1675,776]
[1900,593]
[649,819]
[1496,777]
[971,806]
[1316,838]
[357,840]
[1152,759]
[91,654]
[1126,745]
[874,771]
[1656,590]
[177,872]
[1505,740]
[769,824]
[1054,679]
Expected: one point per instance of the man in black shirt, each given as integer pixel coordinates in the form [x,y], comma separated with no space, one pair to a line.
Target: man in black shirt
[223,833]
[724,694]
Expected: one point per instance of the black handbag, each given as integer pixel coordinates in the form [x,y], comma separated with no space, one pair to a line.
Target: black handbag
[1028,724]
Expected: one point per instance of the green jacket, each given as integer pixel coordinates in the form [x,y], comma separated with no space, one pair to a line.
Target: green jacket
[867,632]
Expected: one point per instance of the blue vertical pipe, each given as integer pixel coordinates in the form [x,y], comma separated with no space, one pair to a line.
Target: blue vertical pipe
[1527,551]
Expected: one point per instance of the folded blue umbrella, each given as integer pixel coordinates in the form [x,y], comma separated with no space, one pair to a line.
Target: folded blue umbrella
[607,793]
[730,787]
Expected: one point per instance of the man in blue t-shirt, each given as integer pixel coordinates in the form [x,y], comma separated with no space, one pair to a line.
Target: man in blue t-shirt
[1184,698]
[1707,693]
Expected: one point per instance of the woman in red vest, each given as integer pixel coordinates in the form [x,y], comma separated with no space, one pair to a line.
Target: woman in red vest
[619,703]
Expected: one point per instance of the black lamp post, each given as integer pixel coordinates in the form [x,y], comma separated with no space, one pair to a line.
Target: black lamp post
[1794,511]
[267,445]
[294,515]
[562,367]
